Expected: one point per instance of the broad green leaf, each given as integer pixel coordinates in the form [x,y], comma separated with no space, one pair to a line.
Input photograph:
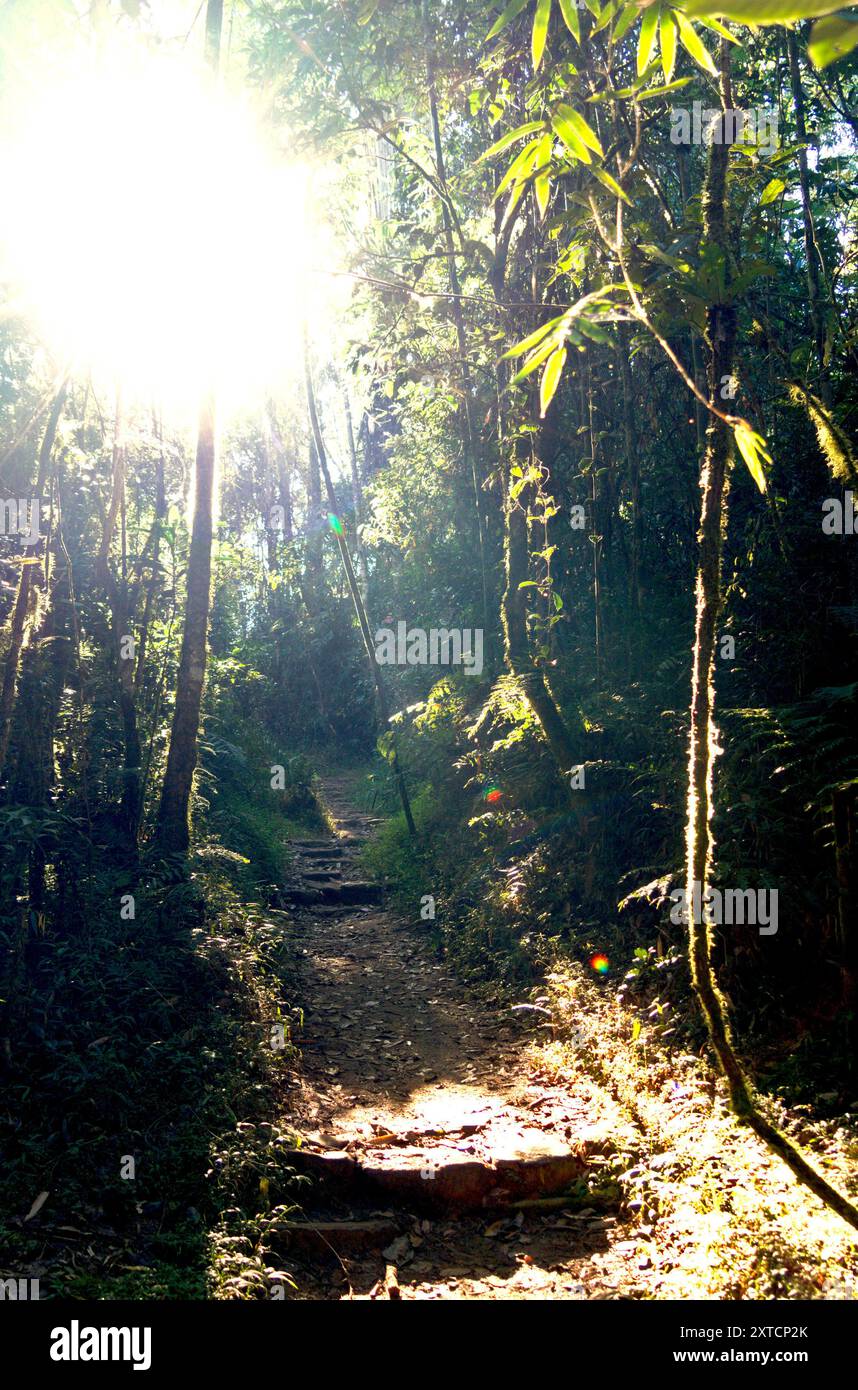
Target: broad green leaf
[539,36]
[594,7]
[535,359]
[832,38]
[605,16]
[565,128]
[513,201]
[625,22]
[583,130]
[551,379]
[510,138]
[569,11]
[717,28]
[514,8]
[520,167]
[761,11]
[647,39]
[611,183]
[772,190]
[753,449]
[542,184]
[660,91]
[693,44]
[668,44]
[530,342]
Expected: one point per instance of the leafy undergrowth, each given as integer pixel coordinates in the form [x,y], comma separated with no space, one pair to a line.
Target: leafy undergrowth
[715,1214]
[146,1060]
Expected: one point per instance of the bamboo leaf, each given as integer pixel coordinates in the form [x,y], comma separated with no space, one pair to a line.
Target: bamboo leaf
[668,45]
[510,138]
[532,339]
[520,167]
[551,379]
[539,37]
[565,127]
[625,22]
[753,449]
[761,11]
[833,38]
[571,17]
[513,9]
[693,44]
[772,190]
[647,39]
[585,133]
[611,184]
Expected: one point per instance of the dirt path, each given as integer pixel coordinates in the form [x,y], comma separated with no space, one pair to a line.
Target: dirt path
[426,1133]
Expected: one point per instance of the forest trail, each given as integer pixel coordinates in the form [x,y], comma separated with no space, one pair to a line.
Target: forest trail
[424,1126]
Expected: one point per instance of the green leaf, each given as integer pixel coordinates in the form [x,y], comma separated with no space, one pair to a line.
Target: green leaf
[542,183]
[532,339]
[565,127]
[539,36]
[660,91]
[585,134]
[514,8]
[647,39]
[668,44]
[611,183]
[510,138]
[718,28]
[605,16]
[625,22]
[761,11]
[772,190]
[753,449]
[693,44]
[569,11]
[520,167]
[832,38]
[551,379]
[536,359]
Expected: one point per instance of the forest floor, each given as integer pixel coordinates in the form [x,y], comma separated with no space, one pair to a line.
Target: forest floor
[455,1153]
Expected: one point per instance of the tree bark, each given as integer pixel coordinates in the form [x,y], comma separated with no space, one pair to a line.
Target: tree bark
[18,624]
[173,827]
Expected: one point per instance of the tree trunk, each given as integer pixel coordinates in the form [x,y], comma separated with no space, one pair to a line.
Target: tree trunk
[18,624]
[173,827]
[812,253]
[721,322]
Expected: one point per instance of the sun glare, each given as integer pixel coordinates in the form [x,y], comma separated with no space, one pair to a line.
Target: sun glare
[152,231]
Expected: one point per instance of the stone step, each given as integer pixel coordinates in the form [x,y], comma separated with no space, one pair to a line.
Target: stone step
[347,893]
[442,1178]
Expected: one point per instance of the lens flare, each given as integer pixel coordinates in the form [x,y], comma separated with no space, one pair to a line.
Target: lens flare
[492,794]
[600,964]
